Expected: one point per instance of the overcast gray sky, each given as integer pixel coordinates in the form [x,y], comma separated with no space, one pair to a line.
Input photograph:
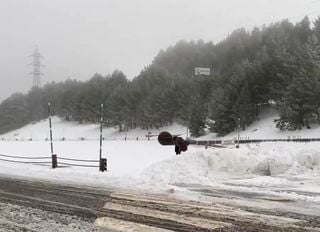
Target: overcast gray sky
[81,37]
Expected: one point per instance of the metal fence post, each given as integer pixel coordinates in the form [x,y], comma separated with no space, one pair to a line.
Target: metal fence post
[103,165]
[54,161]
[239,125]
[50,126]
[53,156]
[102,162]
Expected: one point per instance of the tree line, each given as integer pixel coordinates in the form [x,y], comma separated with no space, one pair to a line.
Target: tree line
[278,64]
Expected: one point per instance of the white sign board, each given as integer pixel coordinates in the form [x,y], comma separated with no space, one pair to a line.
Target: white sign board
[202,71]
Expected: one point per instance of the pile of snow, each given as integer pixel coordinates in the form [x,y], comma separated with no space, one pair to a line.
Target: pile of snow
[264,165]
[208,166]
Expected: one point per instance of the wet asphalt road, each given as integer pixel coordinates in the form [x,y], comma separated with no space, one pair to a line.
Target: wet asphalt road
[28,205]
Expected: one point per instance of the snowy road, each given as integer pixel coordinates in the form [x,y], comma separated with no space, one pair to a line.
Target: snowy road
[20,218]
[39,206]
[45,206]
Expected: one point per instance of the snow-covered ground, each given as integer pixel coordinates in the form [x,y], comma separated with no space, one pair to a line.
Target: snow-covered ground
[264,128]
[18,218]
[64,130]
[148,166]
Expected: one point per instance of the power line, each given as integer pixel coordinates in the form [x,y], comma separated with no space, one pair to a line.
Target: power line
[36,71]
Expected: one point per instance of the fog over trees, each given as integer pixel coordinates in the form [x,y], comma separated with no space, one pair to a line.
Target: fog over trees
[278,64]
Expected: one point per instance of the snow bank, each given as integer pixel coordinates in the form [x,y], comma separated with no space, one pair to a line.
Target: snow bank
[266,169]
[209,166]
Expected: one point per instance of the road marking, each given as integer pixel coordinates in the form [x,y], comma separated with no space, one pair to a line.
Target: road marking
[189,220]
[232,213]
[125,226]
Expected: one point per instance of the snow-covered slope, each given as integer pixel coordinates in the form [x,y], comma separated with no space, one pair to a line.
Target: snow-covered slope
[74,131]
[264,128]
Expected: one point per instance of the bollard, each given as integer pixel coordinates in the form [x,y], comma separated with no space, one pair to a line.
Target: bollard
[103,165]
[54,161]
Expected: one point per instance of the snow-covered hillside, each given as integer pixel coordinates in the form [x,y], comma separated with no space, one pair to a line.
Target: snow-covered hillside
[283,170]
[265,128]
[69,130]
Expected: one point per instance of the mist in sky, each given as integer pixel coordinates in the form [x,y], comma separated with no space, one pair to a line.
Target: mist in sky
[79,38]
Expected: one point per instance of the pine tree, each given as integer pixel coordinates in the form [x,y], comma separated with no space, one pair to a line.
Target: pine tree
[300,104]
[197,116]
[316,28]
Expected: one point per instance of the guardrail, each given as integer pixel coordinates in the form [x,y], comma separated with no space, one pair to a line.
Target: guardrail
[78,139]
[77,164]
[54,161]
[25,159]
[181,145]
[244,141]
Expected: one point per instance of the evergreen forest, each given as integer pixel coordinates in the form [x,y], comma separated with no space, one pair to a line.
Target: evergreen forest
[277,64]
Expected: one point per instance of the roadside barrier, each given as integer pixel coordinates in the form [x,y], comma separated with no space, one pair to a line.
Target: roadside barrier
[180,144]
[75,139]
[78,160]
[101,163]
[244,141]
[54,161]
[25,160]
